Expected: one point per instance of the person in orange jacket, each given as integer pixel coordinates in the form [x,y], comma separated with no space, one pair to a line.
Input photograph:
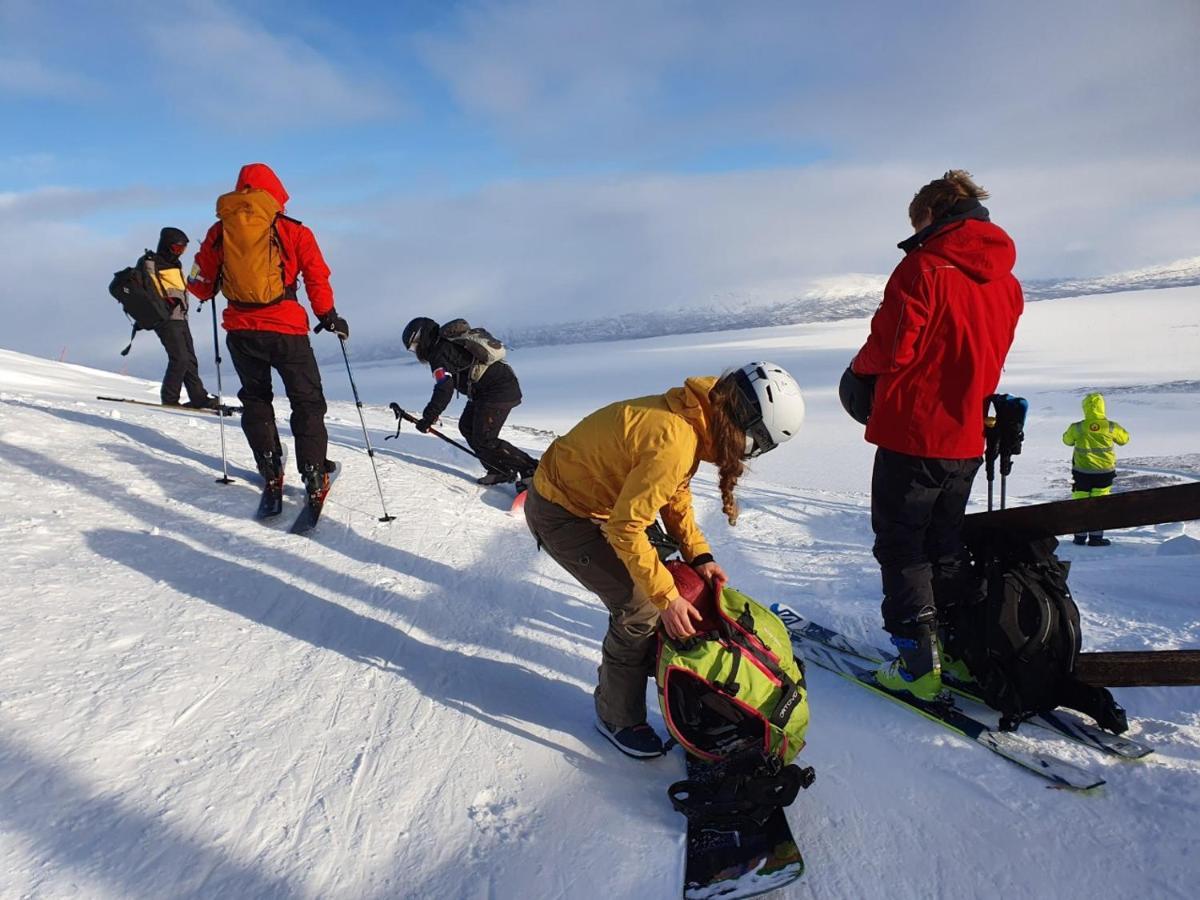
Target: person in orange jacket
[600,485]
[255,255]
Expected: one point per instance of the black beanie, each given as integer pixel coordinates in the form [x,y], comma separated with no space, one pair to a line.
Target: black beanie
[167,237]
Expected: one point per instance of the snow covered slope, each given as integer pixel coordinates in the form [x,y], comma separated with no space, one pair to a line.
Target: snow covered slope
[195,704]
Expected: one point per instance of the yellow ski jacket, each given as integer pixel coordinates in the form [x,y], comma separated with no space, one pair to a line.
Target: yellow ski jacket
[1093,438]
[627,463]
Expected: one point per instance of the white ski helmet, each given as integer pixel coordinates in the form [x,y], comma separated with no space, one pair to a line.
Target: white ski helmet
[772,410]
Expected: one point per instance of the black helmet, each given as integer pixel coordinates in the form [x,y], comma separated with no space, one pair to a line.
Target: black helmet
[419,335]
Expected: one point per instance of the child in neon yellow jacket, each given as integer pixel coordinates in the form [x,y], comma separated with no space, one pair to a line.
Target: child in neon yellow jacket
[1094,462]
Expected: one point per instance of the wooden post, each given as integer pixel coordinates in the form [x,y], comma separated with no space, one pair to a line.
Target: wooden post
[1176,503]
[1139,668]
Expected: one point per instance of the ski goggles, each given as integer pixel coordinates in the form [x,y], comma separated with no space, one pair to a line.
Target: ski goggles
[750,417]
[414,341]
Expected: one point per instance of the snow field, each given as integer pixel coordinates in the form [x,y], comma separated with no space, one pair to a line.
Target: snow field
[194,704]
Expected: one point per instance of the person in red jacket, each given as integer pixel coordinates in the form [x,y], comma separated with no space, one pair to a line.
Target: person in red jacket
[937,345]
[258,271]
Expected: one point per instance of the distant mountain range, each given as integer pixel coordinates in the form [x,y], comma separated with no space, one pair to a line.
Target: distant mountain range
[845,297]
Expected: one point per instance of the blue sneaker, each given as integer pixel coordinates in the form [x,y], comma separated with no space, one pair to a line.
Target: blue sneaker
[639,741]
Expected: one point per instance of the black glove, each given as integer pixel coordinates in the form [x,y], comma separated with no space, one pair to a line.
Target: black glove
[857,393]
[423,425]
[331,321]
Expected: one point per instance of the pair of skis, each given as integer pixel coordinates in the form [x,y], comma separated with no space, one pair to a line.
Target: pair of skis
[271,502]
[222,410]
[271,505]
[856,662]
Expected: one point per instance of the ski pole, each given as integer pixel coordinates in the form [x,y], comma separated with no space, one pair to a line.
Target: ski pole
[224,479]
[404,414]
[401,413]
[370,450]
[989,456]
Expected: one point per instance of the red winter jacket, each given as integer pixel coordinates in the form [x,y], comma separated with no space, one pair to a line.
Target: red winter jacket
[939,339]
[301,256]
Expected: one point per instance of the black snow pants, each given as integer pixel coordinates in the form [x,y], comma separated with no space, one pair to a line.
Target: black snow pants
[255,354]
[480,424]
[917,508]
[183,371]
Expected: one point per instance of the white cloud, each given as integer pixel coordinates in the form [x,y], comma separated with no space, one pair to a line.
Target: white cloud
[230,72]
[578,80]
[528,252]
[30,77]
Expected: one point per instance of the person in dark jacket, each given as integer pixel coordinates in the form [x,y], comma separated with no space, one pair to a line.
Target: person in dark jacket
[491,396]
[165,271]
[937,345]
[265,333]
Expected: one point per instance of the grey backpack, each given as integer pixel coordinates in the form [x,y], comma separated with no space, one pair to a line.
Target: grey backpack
[479,342]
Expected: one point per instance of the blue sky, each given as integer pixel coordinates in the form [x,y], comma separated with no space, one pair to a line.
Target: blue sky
[536,160]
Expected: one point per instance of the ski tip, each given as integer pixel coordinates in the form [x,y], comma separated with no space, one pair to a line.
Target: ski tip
[518,504]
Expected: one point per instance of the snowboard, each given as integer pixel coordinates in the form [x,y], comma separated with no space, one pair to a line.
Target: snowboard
[728,862]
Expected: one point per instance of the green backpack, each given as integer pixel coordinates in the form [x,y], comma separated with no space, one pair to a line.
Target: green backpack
[735,687]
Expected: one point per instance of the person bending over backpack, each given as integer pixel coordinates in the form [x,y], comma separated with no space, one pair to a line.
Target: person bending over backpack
[937,345]
[492,391]
[255,256]
[1094,461]
[164,270]
[601,484]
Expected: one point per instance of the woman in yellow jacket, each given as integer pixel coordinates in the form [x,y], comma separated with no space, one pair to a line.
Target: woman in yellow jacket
[1094,461]
[599,487]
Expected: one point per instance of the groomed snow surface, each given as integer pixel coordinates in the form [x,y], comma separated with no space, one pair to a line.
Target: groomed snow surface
[195,704]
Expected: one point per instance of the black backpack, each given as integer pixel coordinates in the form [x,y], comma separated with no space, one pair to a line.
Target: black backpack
[139,298]
[1018,633]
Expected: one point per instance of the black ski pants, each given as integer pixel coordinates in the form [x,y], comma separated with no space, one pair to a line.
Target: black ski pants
[480,424]
[255,354]
[183,371]
[917,508]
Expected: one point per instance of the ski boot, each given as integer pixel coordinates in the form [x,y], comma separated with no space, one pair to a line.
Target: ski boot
[316,483]
[209,402]
[953,668]
[917,670]
[270,466]
[497,477]
[1098,540]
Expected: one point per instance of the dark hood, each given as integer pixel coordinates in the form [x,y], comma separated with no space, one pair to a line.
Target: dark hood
[260,177]
[968,239]
[166,238]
